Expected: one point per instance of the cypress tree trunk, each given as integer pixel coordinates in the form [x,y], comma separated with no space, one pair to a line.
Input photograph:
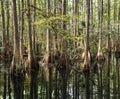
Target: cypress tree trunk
[64,68]
[32,61]
[17,71]
[4,54]
[100,56]
[3,31]
[48,54]
[114,69]
[21,32]
[86,54]
[7,32]
[108,55]
[75,31]
[34,27]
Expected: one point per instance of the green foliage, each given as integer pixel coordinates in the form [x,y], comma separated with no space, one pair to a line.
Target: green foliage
[53,19]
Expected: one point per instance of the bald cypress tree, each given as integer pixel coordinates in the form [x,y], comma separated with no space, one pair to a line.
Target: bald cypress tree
[17,70]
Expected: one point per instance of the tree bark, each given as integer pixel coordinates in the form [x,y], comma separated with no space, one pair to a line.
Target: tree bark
[22,30]
[33,26]
[32,61]
[3,30]
[87,57]
[17,72]
[108,54]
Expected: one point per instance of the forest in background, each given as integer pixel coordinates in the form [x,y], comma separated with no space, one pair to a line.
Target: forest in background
[60,49]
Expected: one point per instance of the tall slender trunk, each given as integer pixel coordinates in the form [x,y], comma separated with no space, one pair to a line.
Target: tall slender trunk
[75,31]
[30,52]
[34,27]
[75,13]
[32,62]
[114,69]
[87,25]
[100,56]
[4,44]
[3,29]
[48,54]
[91,15]
[55,50]
[91,31]
[64,43]
[108,54]
[17,72]
[21,32]
[63,59]
[8,19]
[7,32]
[86,57]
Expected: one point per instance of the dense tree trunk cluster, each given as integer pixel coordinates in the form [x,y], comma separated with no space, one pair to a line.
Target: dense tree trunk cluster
[60,49]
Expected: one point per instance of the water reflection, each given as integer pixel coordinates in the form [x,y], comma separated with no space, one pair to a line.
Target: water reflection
[7,91]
